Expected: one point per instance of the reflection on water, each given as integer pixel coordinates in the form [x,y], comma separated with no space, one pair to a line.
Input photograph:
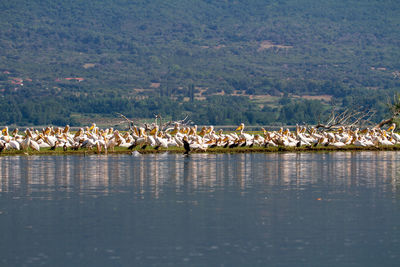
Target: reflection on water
[282,209]
[106,174]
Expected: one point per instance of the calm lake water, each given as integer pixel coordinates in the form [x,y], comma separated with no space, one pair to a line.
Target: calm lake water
[307,209]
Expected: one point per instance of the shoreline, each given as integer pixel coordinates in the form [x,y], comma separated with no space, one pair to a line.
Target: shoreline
[217,150]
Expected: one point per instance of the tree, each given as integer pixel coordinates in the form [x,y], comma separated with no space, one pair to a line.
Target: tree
[394,108]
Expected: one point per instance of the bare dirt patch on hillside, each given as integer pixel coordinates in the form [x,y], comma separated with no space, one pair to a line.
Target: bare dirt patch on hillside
[326,98]
[269,45]
[89,65]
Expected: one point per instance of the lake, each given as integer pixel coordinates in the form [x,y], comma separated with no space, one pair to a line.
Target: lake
[282,209]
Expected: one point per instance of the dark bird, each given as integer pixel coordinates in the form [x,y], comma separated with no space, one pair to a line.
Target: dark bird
[298,144]
[132,146]
[77,145]
[234,145]
[55,146]
[144,146]
[186,146]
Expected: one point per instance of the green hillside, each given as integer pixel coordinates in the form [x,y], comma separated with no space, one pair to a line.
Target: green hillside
[260,62]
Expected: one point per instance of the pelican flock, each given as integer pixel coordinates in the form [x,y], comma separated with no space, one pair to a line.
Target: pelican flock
[190,138]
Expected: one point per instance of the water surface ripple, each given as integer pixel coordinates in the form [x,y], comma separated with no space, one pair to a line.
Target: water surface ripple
[283,209]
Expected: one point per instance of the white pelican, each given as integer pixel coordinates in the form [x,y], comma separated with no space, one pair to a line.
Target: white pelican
[12,144]
[5,136]
[246,136]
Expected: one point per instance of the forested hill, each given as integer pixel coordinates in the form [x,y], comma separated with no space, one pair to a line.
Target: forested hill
[223,61]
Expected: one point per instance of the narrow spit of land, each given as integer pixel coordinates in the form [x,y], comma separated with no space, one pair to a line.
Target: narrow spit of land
[217,150]
[188,139]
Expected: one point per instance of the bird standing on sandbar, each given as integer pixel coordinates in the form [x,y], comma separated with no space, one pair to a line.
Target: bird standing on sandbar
[186,146]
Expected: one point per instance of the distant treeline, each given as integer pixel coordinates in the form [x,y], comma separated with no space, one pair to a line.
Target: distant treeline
[58,110]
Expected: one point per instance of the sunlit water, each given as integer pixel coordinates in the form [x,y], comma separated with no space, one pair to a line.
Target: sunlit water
[307,209]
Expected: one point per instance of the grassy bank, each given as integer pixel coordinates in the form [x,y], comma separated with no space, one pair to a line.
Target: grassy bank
[218,150]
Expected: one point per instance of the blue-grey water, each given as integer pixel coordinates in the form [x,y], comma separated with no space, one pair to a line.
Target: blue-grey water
[306,209]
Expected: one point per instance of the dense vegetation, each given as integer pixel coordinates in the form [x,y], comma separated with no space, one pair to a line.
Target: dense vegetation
[177,57]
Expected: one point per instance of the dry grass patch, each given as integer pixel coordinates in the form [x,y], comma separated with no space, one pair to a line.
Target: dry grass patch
[89,65]
[268,45]
[326,98]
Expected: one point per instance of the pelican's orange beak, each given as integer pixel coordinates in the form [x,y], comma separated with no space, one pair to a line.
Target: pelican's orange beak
[153,131]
